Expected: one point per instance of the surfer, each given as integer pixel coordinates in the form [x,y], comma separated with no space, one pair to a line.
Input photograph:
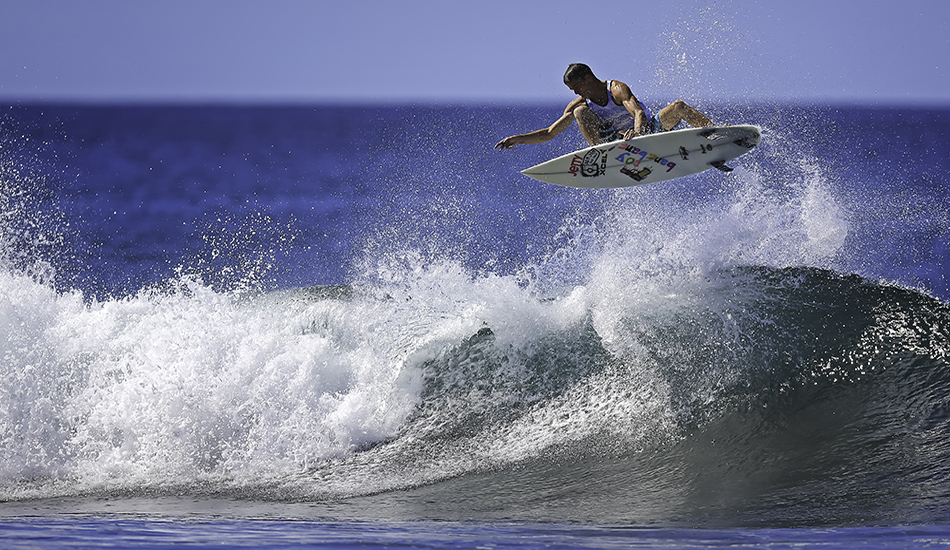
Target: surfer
[608,111]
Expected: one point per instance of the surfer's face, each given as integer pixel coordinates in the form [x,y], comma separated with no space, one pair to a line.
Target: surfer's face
[581,87]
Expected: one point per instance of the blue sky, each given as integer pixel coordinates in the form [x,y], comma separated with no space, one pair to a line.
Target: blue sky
[484,51]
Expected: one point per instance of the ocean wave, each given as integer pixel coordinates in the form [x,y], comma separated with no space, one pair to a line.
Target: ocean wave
[760,381]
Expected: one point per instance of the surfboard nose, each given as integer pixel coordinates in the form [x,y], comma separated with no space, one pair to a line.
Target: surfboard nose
[538,172]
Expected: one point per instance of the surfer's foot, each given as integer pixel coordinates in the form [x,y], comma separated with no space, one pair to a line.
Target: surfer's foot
[721,165]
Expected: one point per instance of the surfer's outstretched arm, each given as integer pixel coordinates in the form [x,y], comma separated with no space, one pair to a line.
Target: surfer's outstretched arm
[544,134]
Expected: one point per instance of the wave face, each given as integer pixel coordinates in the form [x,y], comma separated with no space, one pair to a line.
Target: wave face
[706,352]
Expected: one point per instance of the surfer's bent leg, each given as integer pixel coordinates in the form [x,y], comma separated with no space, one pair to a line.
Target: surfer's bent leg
[589,124]
[672,114]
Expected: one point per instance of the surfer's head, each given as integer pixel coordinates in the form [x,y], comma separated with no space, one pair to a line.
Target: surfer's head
[577,71]
[581,80]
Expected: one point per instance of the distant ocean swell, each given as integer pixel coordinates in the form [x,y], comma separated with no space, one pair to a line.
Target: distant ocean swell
[680,355]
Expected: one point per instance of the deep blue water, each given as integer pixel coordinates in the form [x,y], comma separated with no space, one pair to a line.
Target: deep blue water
[338,325]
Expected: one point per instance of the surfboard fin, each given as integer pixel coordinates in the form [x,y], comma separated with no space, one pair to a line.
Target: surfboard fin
[721,165]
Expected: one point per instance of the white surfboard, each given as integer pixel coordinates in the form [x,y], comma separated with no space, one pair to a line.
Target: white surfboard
[648,159]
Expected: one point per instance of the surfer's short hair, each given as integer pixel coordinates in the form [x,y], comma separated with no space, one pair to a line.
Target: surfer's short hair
[577,71]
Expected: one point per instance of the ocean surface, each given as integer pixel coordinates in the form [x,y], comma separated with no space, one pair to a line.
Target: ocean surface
[342,326]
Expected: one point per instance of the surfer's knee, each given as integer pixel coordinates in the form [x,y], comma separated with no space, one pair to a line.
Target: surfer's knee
[586,118]
[582,113]
[679,106]
[685,111]
[674,112]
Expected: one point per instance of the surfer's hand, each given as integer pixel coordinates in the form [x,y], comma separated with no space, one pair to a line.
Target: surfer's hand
[627,134]
[506,143]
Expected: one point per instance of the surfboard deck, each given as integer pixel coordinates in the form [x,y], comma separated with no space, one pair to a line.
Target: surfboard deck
[648,159]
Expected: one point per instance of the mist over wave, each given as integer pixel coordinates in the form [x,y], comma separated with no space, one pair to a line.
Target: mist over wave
[698,349]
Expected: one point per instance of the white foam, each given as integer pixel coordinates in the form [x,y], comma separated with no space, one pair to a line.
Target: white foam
[163,388]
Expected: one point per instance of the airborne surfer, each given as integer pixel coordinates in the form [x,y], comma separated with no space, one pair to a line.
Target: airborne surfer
[607,111]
